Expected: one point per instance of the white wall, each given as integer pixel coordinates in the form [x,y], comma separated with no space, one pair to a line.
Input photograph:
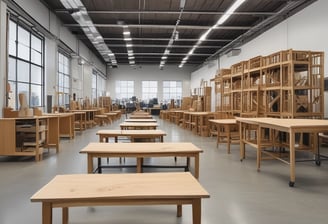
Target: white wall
[306,30]
[205,73]
[149,73]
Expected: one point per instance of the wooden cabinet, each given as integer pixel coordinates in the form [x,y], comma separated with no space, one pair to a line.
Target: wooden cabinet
[28,136]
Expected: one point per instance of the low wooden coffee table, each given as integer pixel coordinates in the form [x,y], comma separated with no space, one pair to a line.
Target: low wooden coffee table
[78,190]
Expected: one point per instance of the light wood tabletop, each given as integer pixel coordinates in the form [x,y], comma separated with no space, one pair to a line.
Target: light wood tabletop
[140,151]
[76,190]
[138,125]
[140,120]
[133,134]
[290,126]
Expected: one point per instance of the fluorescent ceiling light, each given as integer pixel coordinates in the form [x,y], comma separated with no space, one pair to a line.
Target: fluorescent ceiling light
[131,57]
[164,57]
[191,51]
[166,52]
[126,33]
[229,12]
[111,54]
[204,36]
[129,45]
[182,4]
[127,38]
[181,65]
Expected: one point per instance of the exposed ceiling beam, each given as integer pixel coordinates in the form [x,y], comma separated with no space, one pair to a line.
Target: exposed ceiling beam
[169,12]
[167,39]
[161,46]
[158,26]
[174,54]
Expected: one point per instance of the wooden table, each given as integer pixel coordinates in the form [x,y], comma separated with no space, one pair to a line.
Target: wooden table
[140,151]
[90,115]
[292,127]
[140,116]
[80,119]
[78,190]
[227,131]
[138,125]
[132,134]
[140,120]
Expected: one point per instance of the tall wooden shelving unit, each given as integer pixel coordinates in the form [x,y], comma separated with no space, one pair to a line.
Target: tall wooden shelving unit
[286,84]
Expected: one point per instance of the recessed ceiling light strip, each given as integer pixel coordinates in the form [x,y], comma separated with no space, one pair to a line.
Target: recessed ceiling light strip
[128,43]
[174,36]
[221,20]
[81,16]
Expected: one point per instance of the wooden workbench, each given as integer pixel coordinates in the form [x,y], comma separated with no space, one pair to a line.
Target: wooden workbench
[140,120]
[227,131]
[262,133]
[138,125]
[132,134]
[140,151]
[76,190]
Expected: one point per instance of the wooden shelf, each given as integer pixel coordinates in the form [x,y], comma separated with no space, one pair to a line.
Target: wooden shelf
[288,83]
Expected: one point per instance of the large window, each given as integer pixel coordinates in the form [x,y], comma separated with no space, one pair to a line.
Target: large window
[172,90]
[63,79]
[25,65]
[149,90]
[124,90]
[98,85]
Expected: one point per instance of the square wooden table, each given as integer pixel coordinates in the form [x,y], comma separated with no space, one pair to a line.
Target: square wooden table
[78,190]
[140,151]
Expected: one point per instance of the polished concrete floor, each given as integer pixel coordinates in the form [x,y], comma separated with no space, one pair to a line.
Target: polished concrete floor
[239,194]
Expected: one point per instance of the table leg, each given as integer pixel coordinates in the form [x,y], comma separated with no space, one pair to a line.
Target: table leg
[65,215]
[139,164]
[196,211]
[258,152]
[179,210]
[90,163]
[46,213]
[242,144]
[197,166]
[227,130]
[99,165]
[292,157]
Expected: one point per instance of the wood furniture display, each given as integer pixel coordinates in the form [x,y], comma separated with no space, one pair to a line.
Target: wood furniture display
[78,190]
[274,133]
[90,116]
[197,122]
[227,131]
[138,125]
[104,135]
[28,136]
[285,84]
[80,120]
[140,151]
[66,124]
